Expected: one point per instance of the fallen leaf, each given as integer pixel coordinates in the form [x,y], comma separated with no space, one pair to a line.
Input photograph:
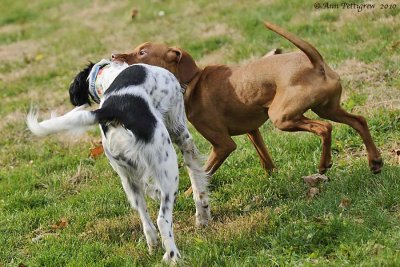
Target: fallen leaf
[134,13]
[96,151]
[345,203]
[314,179]
[60,224]
[312,192]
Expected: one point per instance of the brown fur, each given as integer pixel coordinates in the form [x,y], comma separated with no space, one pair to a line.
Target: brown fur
[222,101]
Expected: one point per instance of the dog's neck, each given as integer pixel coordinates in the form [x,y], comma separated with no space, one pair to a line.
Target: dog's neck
[188,88]
[101,76]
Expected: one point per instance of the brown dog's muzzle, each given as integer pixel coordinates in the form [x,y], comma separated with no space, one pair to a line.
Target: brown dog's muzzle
[122,58]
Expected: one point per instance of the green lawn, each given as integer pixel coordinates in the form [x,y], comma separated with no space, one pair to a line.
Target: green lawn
[60,208]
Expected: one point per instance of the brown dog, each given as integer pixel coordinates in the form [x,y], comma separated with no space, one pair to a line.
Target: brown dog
[222,101]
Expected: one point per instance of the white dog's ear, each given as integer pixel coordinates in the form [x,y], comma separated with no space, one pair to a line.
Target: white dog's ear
[186,66]
[79,88]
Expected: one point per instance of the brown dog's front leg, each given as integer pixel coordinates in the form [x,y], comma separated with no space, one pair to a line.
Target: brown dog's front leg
[258,142]
[218,155]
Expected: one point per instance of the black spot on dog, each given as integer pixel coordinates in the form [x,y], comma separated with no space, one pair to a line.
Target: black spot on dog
[170,235]
[133,112]
[166,198]
[169,141]
[165,92]
[171,254]
[79,88]
[132,75]
[135,189]
[132,164]
[104,128]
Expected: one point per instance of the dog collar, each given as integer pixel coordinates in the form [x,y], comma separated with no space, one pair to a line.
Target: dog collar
[96,91]
[184,87]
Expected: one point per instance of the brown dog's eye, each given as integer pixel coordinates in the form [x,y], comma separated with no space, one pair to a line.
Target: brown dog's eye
[142,52]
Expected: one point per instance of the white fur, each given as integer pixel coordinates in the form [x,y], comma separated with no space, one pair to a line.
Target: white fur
[145,167]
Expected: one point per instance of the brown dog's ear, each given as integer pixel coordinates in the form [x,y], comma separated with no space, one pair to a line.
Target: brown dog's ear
[186,66]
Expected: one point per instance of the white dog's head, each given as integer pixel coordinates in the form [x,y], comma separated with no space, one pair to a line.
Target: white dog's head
[93,81]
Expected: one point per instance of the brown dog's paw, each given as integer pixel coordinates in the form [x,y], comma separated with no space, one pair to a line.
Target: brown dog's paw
[376,165]
[324,168]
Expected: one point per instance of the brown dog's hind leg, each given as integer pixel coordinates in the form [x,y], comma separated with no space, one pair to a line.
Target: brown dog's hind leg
[359,124]
[258,142]
[320,128]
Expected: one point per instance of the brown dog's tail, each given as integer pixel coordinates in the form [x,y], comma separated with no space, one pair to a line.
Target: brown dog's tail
[312,53]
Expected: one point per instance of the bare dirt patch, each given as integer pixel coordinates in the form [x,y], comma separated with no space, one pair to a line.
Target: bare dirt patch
[19,50]
[10,28]
[207,31]
[251,222]
[379,93]
[216,57]
[12,118]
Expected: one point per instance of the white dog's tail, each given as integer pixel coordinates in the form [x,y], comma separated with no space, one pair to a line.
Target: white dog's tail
[77,121]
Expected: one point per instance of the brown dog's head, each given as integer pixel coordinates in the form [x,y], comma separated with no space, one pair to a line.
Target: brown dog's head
[174,59]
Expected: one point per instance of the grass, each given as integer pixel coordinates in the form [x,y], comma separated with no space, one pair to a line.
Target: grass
[258,220]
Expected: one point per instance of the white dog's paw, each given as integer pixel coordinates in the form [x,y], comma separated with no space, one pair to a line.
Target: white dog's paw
[152,239]
[203,216]
[172,257]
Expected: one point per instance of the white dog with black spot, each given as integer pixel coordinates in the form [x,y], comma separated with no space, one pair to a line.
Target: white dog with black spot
[141,110]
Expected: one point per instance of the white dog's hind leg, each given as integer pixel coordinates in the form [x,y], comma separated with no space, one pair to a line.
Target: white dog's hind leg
[134,193]
[198,177]
[166,176]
